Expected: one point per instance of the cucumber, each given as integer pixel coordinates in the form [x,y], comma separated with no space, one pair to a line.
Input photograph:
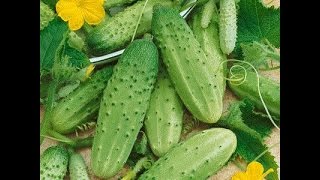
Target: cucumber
[196,158]
[114,3]
[81,105]
[228,25]
[270,92]
[209,41]
[192,74]
[77,168]
[46,15]
[117,31]
[163,122]
[123,107]
[54,163]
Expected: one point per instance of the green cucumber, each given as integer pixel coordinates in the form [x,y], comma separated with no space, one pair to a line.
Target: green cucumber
[163,123]
[81,105]
[114,3]
[117,31]
[228,25]
[192,74]
[123,107]
[54,163]
[196,158]
[209,41]
[77,168]
[46,15]
[270,92]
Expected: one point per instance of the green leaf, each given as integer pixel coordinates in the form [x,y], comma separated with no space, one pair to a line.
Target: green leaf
[257,23]
[77,58]
[51,39]
[234,121]
[250,128]
[141,144]
[51,3]
[259,54]
[249,148]
[257,121]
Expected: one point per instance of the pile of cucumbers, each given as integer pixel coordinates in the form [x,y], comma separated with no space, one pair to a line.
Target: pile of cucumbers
[152,84]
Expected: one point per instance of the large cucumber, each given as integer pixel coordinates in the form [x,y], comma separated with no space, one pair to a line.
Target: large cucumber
[82,104]
[54,163]
[270,92]
[163,121]
[192,74]
[209,41]
[196,158]
[117,31]
[123,107]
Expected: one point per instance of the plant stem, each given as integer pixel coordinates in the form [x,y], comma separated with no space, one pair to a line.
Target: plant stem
[45,125]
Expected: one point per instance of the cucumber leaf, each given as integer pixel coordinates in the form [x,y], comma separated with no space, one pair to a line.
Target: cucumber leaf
[51,39]
[250,129]
[257,23]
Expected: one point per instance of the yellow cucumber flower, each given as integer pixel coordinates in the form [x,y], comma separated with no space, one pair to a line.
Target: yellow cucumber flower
[78,11]
[254,172]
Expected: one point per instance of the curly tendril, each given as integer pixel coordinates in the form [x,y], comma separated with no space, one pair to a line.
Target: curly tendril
[236,77]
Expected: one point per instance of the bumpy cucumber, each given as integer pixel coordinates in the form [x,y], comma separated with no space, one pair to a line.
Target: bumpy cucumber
[196,158]
[77,168]
[46,15]
[228,25]
[163,121]
[82,104]
[270,92]
[113,3]
[123,107]
[192,74]
[117,31]
[54,163]
[209,41]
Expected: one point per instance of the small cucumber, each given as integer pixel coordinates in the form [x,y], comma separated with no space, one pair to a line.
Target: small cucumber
[123,107]
[54,163]
[192,74]
[117,31]
[81,105]
[163,121]
[77,168]
[114,3]
[270,92]
[196,158]
[228,25]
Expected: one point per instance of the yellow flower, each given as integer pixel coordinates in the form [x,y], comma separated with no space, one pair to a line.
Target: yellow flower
[89,70]
[254,172]
[78,11]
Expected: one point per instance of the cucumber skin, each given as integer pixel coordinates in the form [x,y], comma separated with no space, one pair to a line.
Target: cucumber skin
[123,107]
[54,163]
[77,168]
[46,15]
[113,3]
[198,157]
[209,41]
[81,105]
[188,67]
[228,25]
[270,92]
[116,32]
[163,122]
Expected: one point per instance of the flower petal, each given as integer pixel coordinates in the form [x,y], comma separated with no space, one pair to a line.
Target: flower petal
[255,171]
[66,9]
[239,176]
[93,13]
[76,21]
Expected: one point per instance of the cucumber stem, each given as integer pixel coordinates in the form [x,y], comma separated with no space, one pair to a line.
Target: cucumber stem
[45,125]
[143,163]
